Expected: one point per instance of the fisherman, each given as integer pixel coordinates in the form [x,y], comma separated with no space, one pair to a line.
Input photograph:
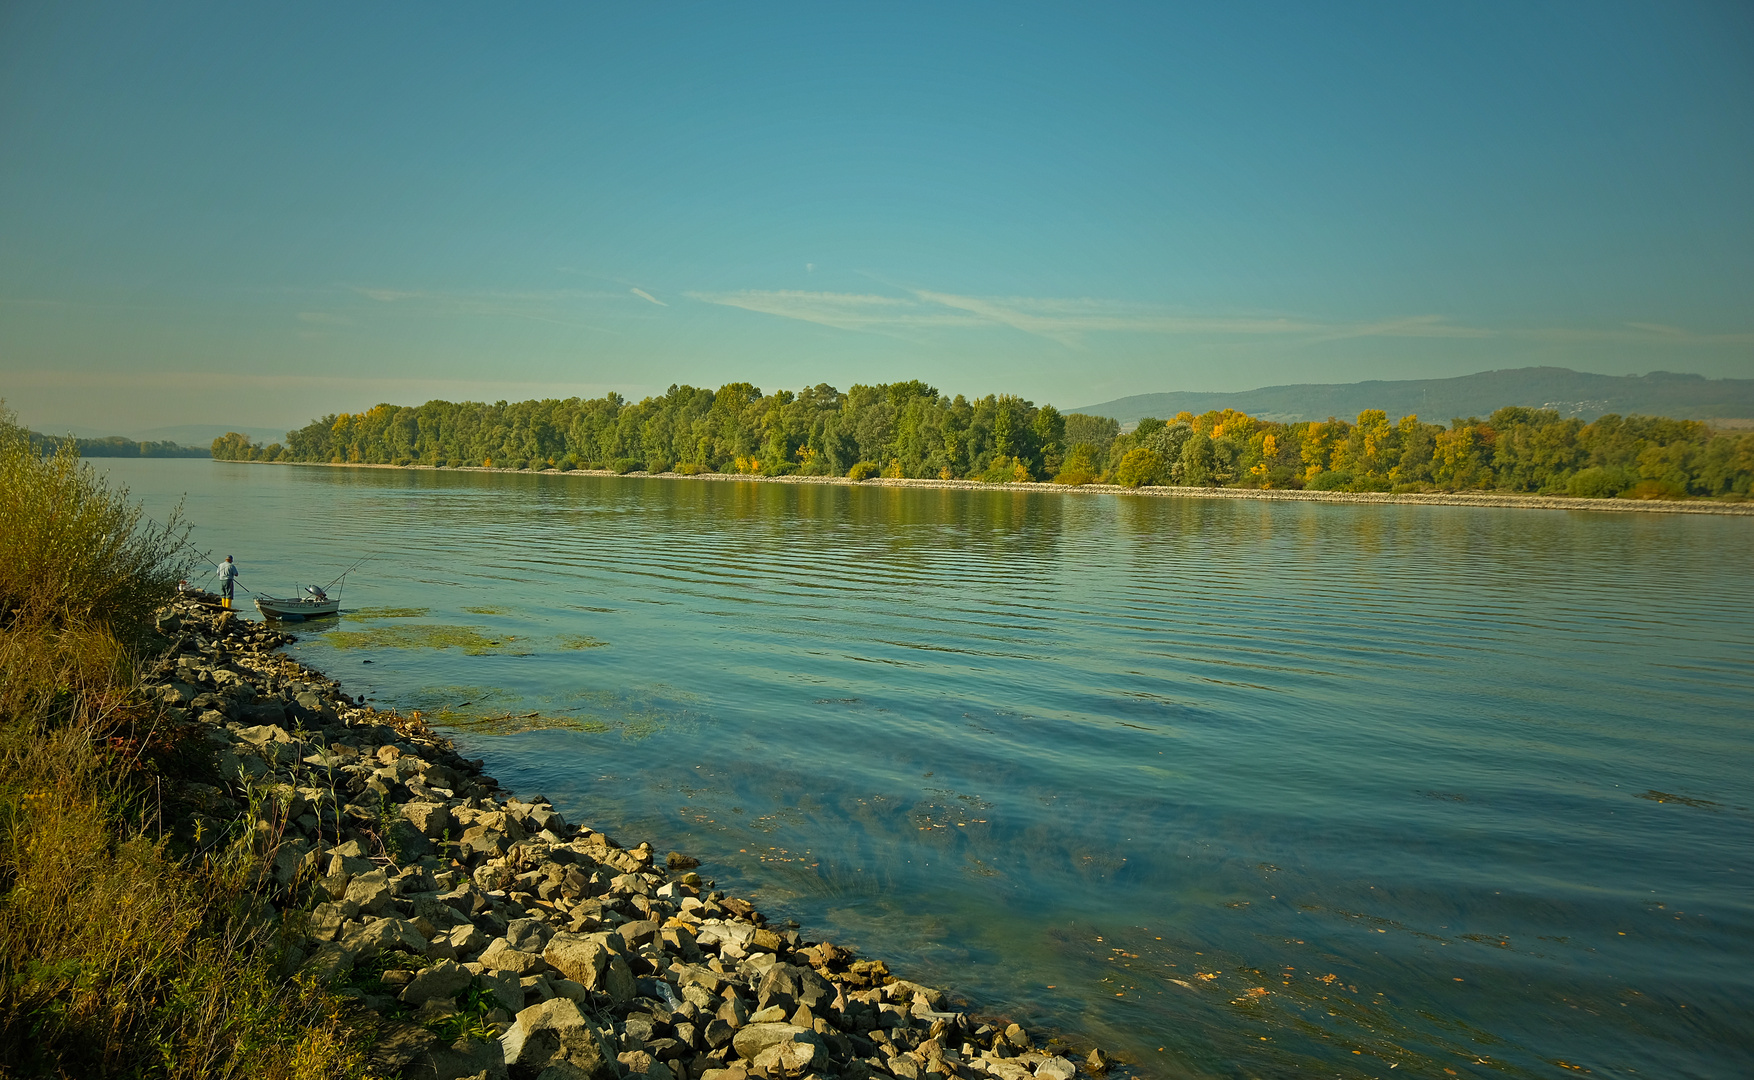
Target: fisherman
[228,573]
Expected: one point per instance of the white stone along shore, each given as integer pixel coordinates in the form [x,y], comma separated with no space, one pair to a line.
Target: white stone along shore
[1436,498]
[490,938]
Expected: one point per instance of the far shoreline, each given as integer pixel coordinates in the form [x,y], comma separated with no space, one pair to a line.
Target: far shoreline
[1440,498]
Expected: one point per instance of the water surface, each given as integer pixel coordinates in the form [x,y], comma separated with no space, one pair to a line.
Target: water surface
[1235,788]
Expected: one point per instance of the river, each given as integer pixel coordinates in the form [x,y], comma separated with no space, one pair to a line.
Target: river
[1234,788]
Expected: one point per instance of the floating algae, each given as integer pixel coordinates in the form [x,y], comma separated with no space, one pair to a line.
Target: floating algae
[511,723]
[416,636]
[581,641]
[389,613]
[486,610]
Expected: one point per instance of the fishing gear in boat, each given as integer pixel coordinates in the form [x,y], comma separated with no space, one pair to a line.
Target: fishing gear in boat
[314,602]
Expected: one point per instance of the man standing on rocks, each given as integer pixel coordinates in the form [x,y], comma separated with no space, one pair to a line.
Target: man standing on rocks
[228,572]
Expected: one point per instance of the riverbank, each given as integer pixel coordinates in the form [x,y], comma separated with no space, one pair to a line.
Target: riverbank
[477,933]
[1486,499]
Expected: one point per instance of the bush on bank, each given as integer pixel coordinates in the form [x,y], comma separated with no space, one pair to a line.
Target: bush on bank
[119,954]
[909,429]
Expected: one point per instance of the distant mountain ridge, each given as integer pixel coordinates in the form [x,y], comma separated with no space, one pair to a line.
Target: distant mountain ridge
[1571,393]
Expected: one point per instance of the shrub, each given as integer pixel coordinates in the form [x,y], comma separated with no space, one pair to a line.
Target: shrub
[1140,466]
[402,462]
[625,465]
[690,468]
[567,463]
[454,463]
[863,470]
[1598,483]
[1331,480]
[1654,489]
[658,464]
[75,551]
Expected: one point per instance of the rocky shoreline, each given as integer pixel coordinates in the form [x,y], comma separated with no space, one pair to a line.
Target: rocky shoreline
[484,936]
[1436,498]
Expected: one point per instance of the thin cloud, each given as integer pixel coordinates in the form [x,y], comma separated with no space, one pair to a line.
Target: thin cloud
[844,311]
[1633,334]
[643,295]
[1063,320]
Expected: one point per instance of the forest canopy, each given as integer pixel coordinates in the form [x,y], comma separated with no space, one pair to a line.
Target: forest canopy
[909,429]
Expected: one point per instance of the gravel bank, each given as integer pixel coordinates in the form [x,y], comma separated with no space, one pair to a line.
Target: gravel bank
[487,937]
[1491,499]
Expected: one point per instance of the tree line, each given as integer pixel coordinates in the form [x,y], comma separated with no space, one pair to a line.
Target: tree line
[910,429]
[111,446]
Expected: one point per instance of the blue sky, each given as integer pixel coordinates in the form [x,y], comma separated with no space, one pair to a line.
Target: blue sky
[245,214]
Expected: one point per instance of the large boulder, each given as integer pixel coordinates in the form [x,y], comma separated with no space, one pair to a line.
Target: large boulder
[555,1033]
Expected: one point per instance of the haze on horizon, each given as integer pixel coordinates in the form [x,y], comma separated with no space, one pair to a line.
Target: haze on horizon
[245,215]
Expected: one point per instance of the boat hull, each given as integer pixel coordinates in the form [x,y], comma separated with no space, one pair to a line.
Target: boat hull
[296,610]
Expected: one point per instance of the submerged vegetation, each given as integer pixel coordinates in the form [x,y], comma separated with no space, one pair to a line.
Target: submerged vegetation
[910,430]
[416,636]
[125,948]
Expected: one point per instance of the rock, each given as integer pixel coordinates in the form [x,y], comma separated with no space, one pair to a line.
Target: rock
[717,1032]
[330,963]
[443,980]
[465,1059]
[579,957]
[1097,1062]
[639,932]
[326,920]
[528,935]
[406,840]
[396,1044]
[1056,1068]
[506,988]
[502,957]
[432,819]
[789,986]
[380,935]
[552,1033]
[678,861]
[467,942]
[370,892]
[1017,1037]
[753,1039]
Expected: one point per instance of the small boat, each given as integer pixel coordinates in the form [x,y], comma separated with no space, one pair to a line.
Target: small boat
[316,602]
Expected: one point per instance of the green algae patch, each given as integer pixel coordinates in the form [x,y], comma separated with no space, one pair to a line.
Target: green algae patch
[512,723]
[390,613]
[581,641]
[487,611]
[417,636]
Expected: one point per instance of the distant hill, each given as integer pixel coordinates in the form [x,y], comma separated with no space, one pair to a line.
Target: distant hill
[1572,393]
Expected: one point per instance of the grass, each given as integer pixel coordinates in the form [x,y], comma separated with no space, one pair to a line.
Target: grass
[124,950]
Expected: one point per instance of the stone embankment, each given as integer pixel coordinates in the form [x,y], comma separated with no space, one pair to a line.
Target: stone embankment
[490,938]
[1413,498]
